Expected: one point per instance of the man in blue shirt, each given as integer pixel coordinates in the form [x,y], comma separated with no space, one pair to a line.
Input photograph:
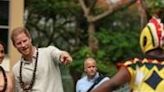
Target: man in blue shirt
[86,82]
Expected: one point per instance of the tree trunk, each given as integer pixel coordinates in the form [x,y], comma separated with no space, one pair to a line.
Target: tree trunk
[92,40]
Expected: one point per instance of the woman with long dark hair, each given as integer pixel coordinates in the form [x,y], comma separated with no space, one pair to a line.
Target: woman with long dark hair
[6,84]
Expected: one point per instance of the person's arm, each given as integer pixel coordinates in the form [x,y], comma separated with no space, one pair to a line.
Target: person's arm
[65,57]
[11,83]
[62,56]
[119,79]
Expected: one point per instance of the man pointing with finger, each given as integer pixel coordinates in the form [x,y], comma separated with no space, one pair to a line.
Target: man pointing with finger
[38,69]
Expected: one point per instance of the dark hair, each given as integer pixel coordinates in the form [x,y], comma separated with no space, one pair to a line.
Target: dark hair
[161,15]
[3,44]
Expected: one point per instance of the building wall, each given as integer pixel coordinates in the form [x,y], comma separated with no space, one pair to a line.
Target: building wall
[16,13]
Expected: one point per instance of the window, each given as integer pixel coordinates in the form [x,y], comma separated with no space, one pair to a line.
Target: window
[4,21]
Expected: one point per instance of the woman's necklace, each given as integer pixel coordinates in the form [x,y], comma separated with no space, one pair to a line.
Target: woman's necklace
[5,79]
[22,84]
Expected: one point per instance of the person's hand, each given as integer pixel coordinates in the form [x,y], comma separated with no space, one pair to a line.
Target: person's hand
[65,58]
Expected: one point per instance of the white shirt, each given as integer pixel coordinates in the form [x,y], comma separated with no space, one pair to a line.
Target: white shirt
[48,77]
[84,83]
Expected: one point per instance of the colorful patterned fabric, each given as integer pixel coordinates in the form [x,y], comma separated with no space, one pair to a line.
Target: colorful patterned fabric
[152,36]
[147,75]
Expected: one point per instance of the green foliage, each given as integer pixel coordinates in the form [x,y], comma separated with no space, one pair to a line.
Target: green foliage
[51,8]
[153,6]
[119,36]
[51,21]
[79,57]
[104,67]
[154,3]
[61,23]
[119,45]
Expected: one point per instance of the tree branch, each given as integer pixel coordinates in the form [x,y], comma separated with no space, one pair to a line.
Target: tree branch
[117,6]
[92,5]
[84,7]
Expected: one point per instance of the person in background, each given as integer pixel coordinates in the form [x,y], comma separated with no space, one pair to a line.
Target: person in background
[6,82]
[92,78]
[143,74]
[38,69]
